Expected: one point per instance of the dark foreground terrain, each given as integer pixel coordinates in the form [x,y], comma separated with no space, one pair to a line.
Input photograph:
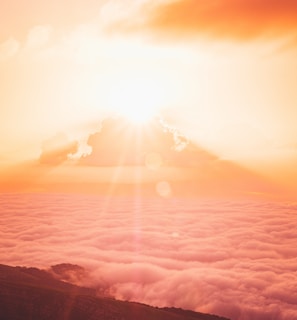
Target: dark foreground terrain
[30,293]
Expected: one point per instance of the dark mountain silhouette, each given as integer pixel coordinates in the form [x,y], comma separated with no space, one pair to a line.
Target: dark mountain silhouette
[30,293]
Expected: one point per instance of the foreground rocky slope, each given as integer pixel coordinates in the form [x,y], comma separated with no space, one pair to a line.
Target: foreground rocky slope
[30,293]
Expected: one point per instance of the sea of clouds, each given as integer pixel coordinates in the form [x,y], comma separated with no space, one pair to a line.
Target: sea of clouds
[232,258]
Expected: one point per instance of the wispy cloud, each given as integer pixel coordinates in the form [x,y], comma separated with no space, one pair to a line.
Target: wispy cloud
[57,150]
[8,49]
[38,37]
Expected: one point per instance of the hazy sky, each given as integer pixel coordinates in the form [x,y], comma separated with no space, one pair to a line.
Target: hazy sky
[222,72]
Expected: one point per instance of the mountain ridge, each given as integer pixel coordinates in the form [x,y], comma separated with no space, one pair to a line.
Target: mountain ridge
[31,293]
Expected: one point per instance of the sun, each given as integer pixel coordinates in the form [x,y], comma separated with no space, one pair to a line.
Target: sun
[137,116]
[136,99]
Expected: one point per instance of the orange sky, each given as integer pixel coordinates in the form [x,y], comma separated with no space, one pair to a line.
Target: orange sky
[238,19]
[222,73]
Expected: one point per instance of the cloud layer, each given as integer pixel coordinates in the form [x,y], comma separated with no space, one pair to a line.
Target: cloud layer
[235,19]
[236,259]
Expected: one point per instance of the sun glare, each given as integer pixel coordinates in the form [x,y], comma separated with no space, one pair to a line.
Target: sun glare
[137,116]
[138,100]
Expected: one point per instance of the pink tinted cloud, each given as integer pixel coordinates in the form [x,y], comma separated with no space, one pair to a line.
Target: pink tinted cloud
[235,259]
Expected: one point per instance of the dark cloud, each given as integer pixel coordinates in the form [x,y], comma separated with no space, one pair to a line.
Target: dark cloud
[234,19]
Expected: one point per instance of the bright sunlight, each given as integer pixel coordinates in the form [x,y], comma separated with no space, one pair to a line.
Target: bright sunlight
[137,99]
[137,116]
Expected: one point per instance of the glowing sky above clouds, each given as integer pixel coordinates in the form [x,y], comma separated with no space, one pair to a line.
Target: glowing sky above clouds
[223,72]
